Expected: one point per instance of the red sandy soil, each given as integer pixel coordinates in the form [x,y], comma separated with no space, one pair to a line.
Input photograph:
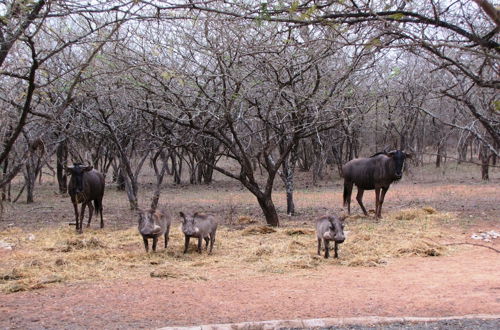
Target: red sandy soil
[467,282]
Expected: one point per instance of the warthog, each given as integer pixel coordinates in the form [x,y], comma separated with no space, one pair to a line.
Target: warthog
[200,225]
[330,228]
[153,224]
[86,185]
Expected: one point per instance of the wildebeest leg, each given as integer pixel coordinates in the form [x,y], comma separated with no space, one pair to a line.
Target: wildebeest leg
[77,217]
[100,211]
[82,215]
[336,250]
[319,246]
[186,243]
[327,248]
[155,241]
[166,236]
[146,244]
[377,201]
[359,198]
[206,242]
[347,195]
[381,201]
[199,244]
[91,212]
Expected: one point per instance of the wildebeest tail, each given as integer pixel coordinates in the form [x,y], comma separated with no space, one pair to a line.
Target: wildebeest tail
[347,193]
[98,206]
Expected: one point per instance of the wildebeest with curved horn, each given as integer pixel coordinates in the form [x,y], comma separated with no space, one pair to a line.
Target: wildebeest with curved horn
[86,185]
[376,172]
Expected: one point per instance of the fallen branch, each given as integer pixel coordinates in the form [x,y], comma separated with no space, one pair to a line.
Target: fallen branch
[486,246]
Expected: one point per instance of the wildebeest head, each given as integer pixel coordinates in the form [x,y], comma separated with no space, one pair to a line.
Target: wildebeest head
[188,227]
[337,228]
[76,172]
[399,160]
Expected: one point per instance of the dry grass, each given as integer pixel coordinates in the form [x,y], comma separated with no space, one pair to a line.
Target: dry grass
[59,255]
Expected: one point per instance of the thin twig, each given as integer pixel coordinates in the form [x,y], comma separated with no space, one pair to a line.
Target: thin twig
[465,243]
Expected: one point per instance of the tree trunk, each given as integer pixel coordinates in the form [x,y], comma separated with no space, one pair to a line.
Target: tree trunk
[287,176]
[62,160]
[30,179]
[439,156]
[485,163]
[269,210]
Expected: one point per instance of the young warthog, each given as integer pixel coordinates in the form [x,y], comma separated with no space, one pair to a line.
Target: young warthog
[330,228]
[153,224]
[200,225]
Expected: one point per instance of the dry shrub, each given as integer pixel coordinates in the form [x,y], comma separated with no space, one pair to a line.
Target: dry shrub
[244,220]
[163,273]
[429,209]
[257,230]
[411,214]
[78,244]
[12,275]
[365,262]
[299,231]
[293,245]
[421,249]
[264,251]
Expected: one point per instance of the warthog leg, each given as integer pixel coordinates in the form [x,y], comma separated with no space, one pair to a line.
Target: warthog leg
[155,241]
[186,242]
[327,248]
[166,236]
[212,241]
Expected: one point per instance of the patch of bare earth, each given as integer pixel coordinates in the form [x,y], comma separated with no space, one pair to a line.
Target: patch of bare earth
[466,283]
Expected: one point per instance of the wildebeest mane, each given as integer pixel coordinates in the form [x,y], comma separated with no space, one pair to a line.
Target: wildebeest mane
[379,153]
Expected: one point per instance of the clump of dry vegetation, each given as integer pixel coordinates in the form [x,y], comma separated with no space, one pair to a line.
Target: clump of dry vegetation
[59,255]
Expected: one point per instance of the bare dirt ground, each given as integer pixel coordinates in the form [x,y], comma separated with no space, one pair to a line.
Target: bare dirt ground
[466,281]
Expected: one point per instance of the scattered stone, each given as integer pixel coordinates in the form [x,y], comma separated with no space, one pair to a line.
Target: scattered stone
[6,246]
[486,236]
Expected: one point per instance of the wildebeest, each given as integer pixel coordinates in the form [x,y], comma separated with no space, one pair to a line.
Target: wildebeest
[200,225]
[86,185]
[376,172]
[330,228]
[153,224]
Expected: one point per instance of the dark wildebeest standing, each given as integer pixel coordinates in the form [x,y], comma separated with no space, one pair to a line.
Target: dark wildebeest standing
[153,224]
[376,172]
[330,228]
[86,185]
[200,225]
